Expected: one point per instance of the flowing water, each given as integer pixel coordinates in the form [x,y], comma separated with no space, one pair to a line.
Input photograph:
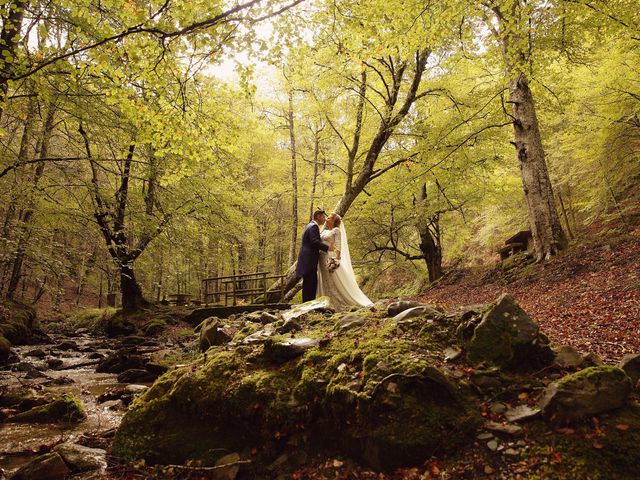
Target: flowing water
[18,439]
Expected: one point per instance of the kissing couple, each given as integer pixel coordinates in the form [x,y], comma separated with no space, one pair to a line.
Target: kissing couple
[324,263]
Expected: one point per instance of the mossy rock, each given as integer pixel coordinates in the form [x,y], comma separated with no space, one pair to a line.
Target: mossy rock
[507,337]
[154,327]
[49,466]
[118,325]
[18,323]
[5,349]
[588,392]
[23,398]
[65,409]
[374,392]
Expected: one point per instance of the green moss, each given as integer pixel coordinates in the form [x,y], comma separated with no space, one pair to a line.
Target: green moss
[5,349]
[593,374]
[66,408]
[154,327]
[22,398]
[236,398]
[17,322]
[246,331]
[183,332]
[94,319]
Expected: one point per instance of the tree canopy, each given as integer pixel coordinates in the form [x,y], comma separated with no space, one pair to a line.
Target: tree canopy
[129,162]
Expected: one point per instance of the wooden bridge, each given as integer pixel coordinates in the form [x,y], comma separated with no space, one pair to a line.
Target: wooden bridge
[245,287]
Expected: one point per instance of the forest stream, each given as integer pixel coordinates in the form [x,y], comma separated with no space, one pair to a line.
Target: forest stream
[66,365]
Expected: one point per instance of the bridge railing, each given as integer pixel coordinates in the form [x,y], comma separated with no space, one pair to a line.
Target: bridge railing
[231,288]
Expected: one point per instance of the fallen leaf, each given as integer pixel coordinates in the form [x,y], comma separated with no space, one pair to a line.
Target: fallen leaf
[622,426]
[565,431]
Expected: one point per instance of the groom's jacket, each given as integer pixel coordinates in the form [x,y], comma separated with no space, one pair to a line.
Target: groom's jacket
[310,250]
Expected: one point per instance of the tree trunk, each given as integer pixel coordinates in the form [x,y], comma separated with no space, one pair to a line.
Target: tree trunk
[294,183]
[564,215]
[314,179]
[27,215]
[548,236]
[23,154]
[430,246]
[132,298]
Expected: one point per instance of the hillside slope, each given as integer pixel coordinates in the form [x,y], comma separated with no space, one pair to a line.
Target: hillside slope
[588,296]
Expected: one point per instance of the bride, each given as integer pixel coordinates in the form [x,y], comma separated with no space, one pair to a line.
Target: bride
[336,278]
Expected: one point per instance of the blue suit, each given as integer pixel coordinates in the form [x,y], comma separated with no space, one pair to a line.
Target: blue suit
[308,260]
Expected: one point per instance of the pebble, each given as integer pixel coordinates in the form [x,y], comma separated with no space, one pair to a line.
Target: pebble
[484,436]
[493,445]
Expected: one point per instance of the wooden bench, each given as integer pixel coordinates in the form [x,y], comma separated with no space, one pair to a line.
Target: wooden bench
[520,242]
[179,299]
[245,286]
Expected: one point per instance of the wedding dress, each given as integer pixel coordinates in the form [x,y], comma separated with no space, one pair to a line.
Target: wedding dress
[340,284]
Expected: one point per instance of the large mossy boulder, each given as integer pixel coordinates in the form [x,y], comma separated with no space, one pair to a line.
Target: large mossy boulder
[119,325]
[505,336]
[18,323]
[378,393]
[588,392]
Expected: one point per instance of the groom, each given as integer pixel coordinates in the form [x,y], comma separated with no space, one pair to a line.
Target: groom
[309,255]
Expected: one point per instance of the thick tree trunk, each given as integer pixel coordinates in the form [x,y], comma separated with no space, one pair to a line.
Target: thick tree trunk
[432,253]
[430,245]
[132,298]
[290,280]
[548,236]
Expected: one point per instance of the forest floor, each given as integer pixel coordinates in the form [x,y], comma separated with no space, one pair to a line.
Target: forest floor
[587,296]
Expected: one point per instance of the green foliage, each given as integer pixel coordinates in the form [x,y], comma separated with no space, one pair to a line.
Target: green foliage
[210,189]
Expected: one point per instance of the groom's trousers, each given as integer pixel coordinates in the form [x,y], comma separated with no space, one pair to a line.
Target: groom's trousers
[309,286]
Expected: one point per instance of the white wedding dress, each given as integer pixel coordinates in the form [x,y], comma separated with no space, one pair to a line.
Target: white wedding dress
[340,284]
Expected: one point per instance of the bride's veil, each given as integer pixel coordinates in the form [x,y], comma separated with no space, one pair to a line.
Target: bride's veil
[345,272]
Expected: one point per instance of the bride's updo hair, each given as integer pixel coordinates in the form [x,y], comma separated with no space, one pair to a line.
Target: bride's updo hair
[337,220]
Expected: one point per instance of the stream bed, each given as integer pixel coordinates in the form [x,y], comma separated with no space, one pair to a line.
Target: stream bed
[65,365]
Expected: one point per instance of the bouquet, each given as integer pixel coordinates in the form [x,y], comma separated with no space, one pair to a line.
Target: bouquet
[333,265]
